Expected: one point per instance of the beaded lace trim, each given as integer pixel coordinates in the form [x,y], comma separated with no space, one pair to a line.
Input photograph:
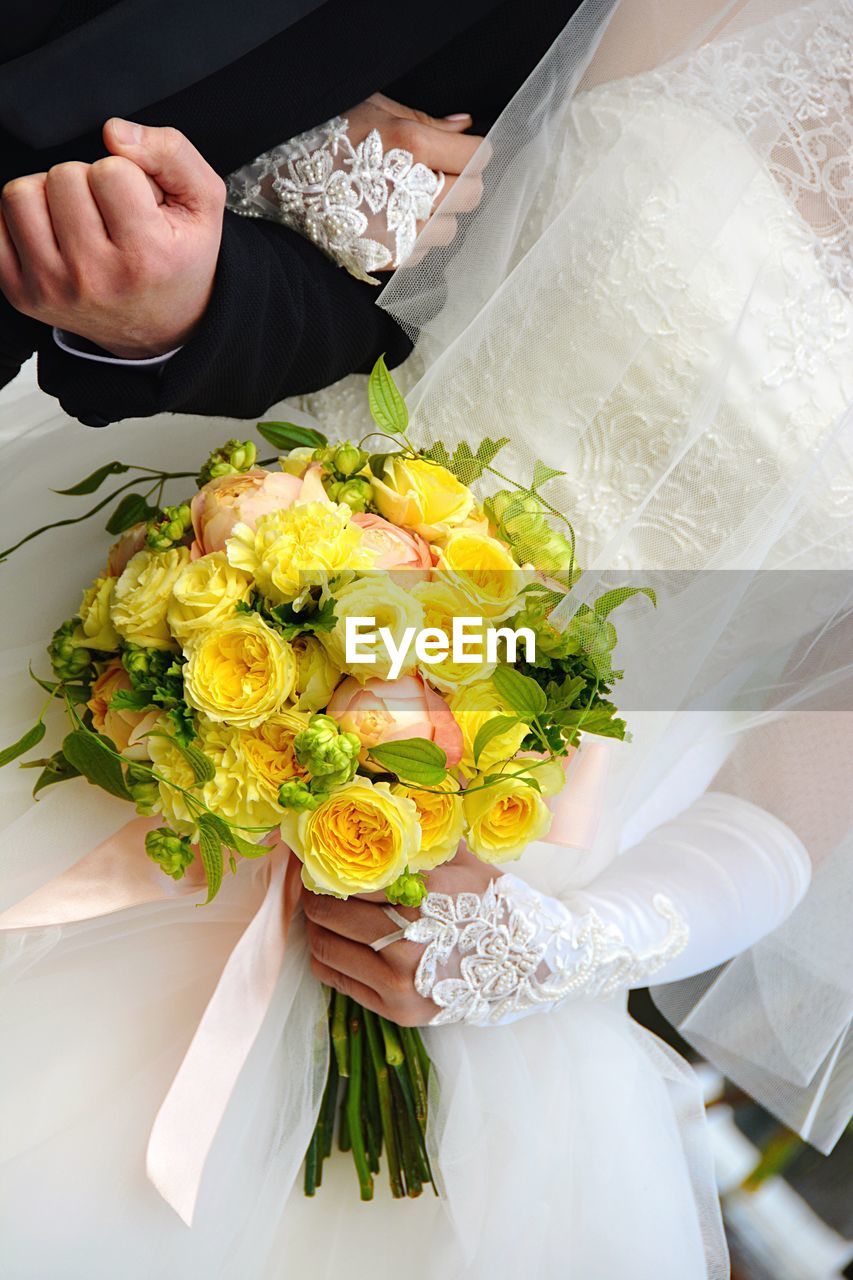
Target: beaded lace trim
[326,189]
[517,950]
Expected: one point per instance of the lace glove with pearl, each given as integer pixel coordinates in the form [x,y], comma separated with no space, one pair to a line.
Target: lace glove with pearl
[695,892]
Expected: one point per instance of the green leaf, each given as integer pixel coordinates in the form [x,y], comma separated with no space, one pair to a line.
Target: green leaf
[611,600]
[92,756]
[519,692]
[542,474]
[30,739]
[95,480]
[204,770]
[491,729]
[413,760]
[232,840]
[210,847]
[488,450]
[387,406]
[130,700]
[287,435]
[56,769]
[132,509]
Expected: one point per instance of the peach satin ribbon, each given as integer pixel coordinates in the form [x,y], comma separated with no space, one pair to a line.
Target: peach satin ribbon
[118,874]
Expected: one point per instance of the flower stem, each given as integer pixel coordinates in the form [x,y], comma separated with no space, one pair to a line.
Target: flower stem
[339,1032]
[386,1108]
[415,1055]
[391,1041]
[356,1133]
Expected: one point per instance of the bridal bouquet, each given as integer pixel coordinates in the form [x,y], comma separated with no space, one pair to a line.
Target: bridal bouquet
[346,651]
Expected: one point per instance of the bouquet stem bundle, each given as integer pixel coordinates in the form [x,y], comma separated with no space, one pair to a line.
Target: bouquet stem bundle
[377,1091]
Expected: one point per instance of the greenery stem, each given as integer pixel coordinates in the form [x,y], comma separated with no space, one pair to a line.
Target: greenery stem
[356,1132]
[386,1108]
[340,1011]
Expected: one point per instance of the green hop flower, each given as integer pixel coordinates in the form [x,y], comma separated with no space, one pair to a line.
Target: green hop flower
[70,660]
[137,662]
[347,459]
[233,458]
[332,487]
[326,753]
[173,527]
[144,790]
[356,493]
[171,852]
[524,519]
[294,794]
[408,890]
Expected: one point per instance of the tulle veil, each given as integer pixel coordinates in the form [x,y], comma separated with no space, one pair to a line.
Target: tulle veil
[556,318]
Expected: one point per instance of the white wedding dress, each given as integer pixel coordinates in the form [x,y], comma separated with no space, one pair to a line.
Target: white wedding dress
[569,1143]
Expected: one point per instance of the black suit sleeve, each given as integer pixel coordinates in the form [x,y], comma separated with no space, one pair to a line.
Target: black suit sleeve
[19,337]
[283,319]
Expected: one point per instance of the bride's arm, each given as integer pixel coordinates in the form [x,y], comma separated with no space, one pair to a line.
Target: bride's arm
[488,949]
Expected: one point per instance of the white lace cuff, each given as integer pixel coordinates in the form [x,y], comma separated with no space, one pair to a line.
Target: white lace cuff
[359,204]
[495,957]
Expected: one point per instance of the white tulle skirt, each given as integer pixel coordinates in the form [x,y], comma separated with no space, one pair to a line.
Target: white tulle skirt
[567,1145]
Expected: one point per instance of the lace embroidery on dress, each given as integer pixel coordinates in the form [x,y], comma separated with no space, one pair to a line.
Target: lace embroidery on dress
[320,184]
[517,951]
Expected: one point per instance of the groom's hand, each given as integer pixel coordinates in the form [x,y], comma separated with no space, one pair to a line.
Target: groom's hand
[123,251]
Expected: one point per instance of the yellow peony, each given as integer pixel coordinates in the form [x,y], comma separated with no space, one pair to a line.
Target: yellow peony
[268,752]
[442,822]
[142,595]
[302,546]
[504,817]
[357,841]
[473,706]
[96,630]
[205,593]
[423,496]
[483,569]
[442,602]
[241,672]
[235,792]
[382,600]
[316,674]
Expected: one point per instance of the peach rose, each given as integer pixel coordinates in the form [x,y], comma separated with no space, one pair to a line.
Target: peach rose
[127,729]
[387,710]
[243,499]
[395,547]
[123,551]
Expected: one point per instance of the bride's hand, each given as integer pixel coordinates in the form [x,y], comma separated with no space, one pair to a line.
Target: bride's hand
[340,934]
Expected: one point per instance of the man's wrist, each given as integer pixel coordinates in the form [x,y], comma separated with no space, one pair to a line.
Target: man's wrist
[74,345]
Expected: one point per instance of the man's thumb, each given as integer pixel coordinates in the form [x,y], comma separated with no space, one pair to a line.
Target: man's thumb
[170,159]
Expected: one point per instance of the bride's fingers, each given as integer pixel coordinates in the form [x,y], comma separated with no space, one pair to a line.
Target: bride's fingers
[456,123]
[352,918]
[352,958]
[347,986]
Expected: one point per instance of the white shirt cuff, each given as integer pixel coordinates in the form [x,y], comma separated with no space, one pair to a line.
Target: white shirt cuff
[66,342]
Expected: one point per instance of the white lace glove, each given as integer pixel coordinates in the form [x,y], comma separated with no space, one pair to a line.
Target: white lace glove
[360,204]
[692,894]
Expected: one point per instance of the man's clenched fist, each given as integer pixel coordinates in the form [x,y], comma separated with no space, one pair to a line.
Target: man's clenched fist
[123,251]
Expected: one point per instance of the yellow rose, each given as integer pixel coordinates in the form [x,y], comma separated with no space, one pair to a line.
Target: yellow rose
[234,792]
[303,546]
[442,602]
[483,569]
[96,630]
[297,462]
[421,495]
[504,817]
[382,600]
[359,840]
[142,595]
[241,672]
[205,593]
[473,706]
[316,674]
[442,822]
[268,752]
